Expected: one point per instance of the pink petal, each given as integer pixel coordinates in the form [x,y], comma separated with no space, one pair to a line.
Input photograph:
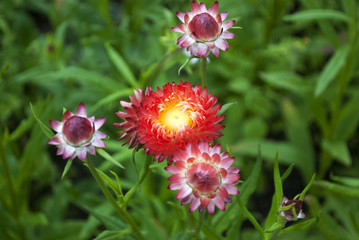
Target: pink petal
[224,15]
[231,177]
[178,29]
[221,44]
[195,8]
[186,200]
[227,25]
[211,207]
[219,202]
[214,9]
[172,169]
[183,192]
[91,149]
[180,15]
[210,44]
[185,41]
[194,49]
[81,110]
[194,204]
[99,122]
[54,141]
[57,126]
[99,135]
[203,7]
[205,201]
[81,153]
[67,115]
[232,190]
[215,51]
[227,162]
[60,151]
[202,50]
[177,178]
[175,186]
[98,143]
[227,35]
[68,151]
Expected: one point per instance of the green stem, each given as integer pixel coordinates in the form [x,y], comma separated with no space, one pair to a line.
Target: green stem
[203,72]
[199,225]
[123,213]
[250,217]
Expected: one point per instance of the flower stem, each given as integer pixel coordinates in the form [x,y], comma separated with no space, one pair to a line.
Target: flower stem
[250,217]
[203,72]
[123,213]
[199,225]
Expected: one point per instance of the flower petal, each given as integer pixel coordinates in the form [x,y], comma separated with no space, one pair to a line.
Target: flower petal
[227,24]
[81,110]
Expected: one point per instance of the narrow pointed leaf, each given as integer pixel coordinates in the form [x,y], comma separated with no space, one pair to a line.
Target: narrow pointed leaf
[67,167]
[108,157]
[49,134]
[121,65]
[331,69]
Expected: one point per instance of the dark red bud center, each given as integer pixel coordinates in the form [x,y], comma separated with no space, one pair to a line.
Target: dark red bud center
[297,207]
[204,27]
[204,177]
[77,130]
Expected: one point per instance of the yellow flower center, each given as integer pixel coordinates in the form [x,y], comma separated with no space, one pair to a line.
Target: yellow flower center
[173,117]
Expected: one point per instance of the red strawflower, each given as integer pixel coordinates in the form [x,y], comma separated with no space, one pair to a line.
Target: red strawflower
[203,176]
[178,114]
[204,30]
[131,117]
[77,134]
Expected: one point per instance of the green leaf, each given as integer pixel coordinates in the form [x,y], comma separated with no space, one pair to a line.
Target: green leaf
[285,80]
[34,219]
[110,183]
[337,189]
[316,14]
[110,222]
[306,189]
[338,150]
[277,181]
[121,65]
[67,167]
[183,236]
[331,69]
[304,225]
[209,233]
[108,157]
[276,226]
[250,185]
[111,98]
[287,172]
[49,134]
[114,235]
[225,107]
[349,181]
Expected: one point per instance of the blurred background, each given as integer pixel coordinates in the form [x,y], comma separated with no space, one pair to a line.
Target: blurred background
[292,72]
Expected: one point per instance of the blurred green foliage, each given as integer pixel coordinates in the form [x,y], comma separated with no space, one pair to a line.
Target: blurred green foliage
[292,71]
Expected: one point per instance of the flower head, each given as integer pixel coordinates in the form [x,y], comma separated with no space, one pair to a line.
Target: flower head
[203,176]
[179,113]
[204,30]
[132,110]
[288,215]
[77,134]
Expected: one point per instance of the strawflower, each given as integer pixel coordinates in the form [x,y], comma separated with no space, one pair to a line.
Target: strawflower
[167,119]
[204,31]
[294,213]
[130,115]
[77,134]
[203,176]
